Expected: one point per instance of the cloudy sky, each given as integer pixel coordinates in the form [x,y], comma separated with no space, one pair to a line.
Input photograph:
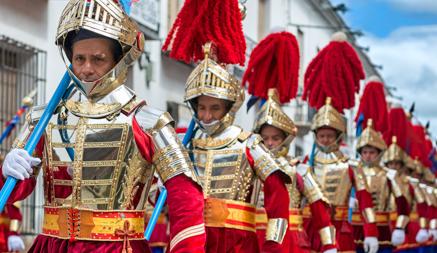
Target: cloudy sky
[402,36]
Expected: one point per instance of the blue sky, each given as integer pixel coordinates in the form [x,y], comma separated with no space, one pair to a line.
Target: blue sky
[381,17]
[402,36]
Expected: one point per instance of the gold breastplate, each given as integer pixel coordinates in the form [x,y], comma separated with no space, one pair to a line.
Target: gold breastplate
[106,169]
[377,185]
[223,168]
[332,174]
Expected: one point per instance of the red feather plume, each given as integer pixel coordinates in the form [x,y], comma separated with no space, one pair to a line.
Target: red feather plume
[335,72]
[374,106]
[397,126]
[274,63]
[202,21]
[419,147]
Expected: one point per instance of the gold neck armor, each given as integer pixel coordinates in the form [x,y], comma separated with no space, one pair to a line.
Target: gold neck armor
[272,114]
[211,79]
[105,18]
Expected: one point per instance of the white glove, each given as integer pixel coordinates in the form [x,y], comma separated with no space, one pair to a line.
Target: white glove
[15,243]
[398,237]
[371,244]
[18,163]
[422,235]
[433,232]
[330,251]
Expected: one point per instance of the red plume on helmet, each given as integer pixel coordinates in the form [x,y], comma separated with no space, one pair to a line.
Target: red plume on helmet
[274,63]
[397,126]
[202,21]
[374,106]
[335,72]
[420,147]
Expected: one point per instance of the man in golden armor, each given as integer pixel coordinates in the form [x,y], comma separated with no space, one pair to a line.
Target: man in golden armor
[383,187]
[229,162]
[336,177]
[412,208]
[278,131]
[101,146]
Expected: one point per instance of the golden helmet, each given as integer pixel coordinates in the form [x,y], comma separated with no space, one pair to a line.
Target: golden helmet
[328,116]
[272,114]
[211,79]
[104,18]
[394,153]
[370,137]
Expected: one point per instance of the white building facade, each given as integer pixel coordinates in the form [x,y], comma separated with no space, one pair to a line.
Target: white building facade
[31,26]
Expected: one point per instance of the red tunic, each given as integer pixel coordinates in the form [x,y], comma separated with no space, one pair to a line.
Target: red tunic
[344,230]
[11,212]
[241,241]
[297,239]
[185,205]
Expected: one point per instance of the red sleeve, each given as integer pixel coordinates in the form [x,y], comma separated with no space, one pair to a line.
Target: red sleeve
[13,213]
[24,188]
[185,208]
[431,212]
[422,209]
[402,206]
[184,200]
[276,203]
[321,218]
[365,201]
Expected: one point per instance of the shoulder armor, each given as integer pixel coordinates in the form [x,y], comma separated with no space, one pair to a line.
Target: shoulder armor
[132,106]
[151,119]
[170,157]
[264,161]
[244,135]
[35,113]
[352,162]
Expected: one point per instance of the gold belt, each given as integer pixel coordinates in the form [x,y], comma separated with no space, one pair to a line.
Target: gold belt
[4,221]
[382,218]
[82,224]
[414,216]
[295,219]
[229,214]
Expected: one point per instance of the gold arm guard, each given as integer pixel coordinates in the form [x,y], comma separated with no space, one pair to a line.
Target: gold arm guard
[312,190]
[402,221]
[14,226]
[327,235]
[276,230]
[423,223]
[369,215]
[264,162]
[418,194]
[433,224]
[170,157]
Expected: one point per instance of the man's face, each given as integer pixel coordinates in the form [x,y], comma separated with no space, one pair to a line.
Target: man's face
[396,165]
[369,154]
[272,136]
[210,109]
[92,58]
[326,136]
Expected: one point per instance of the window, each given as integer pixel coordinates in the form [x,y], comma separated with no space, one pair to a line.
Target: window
[22,70]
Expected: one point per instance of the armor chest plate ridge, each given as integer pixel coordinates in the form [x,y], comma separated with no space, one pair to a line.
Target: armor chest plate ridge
[105,166]
[377,186]
[334,180]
